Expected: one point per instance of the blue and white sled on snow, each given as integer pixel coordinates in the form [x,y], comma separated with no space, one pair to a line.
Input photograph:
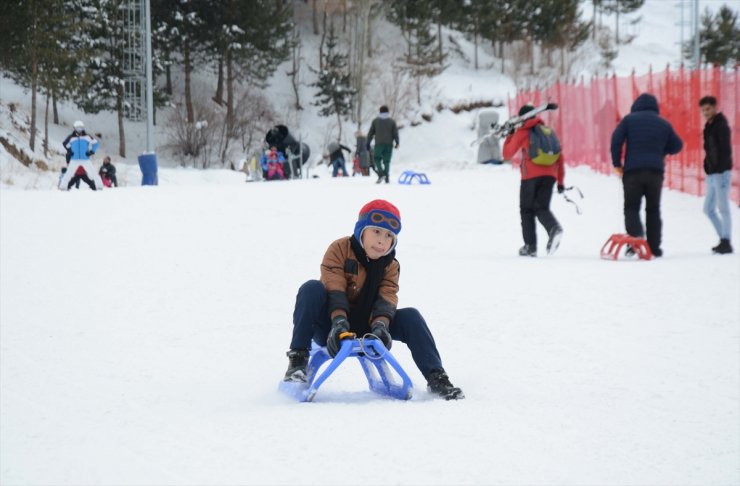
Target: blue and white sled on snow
[376,362]
[407,177]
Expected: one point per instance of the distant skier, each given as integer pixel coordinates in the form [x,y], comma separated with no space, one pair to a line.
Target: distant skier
[80,146]
[718,167]
[537,182]
[385,132]
[649,138]
[358,292]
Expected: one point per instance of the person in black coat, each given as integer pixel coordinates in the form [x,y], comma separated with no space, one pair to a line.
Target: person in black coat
[336,158]
[649,138]
[718,167]
[108,171]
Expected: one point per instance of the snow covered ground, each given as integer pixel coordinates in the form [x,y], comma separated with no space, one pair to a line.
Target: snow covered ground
[144,330]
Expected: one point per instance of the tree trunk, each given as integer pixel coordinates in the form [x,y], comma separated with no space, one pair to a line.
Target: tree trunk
[562,61]
[323,38]
[168,82]
[34,82]
[46,127]
[616,25]
[219,97]
[54,106]
[121,135]
[296,58]
[229,94]
[531,55]
[501,55]
[188,97]
[314,18]
[475,48]
[593,20]
[439,39]
[369,33]
[339,123]
[344,16]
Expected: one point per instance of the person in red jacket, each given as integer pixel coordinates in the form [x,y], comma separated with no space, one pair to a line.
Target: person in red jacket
[535,191]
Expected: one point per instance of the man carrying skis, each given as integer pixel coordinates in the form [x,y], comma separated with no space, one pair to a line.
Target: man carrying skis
[538,180]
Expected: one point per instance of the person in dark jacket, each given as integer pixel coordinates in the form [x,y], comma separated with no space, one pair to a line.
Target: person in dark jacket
[385,132]
[336,158]
[718,167]
[358,293]
[649,138]
[535,190]
[107,173]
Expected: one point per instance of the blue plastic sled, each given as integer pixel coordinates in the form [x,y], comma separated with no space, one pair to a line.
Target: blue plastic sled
[408,177]
[376,362]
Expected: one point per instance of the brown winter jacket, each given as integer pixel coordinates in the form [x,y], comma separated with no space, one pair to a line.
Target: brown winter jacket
[343,277]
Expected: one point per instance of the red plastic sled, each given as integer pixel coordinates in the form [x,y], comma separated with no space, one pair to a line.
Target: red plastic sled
[616,242]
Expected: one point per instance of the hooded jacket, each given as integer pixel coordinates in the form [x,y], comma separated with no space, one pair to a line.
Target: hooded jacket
[79,146]
[519,141]
[383,129]
[343,277]
[648,136]
[717,145]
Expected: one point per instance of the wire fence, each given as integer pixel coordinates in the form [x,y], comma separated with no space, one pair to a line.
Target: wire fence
[589,112]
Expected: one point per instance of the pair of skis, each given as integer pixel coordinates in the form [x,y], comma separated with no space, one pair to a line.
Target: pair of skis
[499,130]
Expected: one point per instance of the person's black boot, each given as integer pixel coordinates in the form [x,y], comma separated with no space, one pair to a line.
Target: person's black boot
[380,179]
[386,179]
[724,247]
[297,366]
[556,234]
[528,250]
[439,383]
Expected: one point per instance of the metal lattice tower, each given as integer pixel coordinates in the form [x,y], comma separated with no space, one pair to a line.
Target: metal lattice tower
[134,59]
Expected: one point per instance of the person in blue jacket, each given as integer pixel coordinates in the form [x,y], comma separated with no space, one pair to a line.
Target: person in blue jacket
[80,146]
[648,138]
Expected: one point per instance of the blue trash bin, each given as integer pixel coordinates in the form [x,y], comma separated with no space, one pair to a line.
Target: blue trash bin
[148,166]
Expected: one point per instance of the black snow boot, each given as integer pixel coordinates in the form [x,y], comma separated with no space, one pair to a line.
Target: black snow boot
[380,179]
[439,383]
[297,366]
[386,179]
[528,250]
[556,234]
[723,248]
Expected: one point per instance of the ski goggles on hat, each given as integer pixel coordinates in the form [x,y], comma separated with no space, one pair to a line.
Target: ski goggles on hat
[379,218]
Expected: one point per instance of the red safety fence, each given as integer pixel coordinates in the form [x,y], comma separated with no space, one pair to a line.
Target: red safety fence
[589,112]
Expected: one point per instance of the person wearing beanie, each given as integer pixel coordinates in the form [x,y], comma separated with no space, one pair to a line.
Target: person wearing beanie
[535,189]
[357,292]
[385,132]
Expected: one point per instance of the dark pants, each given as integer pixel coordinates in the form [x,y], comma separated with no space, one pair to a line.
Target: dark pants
[75,181]
[534,202]
[311,321]
[639,184]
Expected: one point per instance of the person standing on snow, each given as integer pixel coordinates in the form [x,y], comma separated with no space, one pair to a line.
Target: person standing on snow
[336,158]
[535,189]
[718,167]
[80,146]
[385,132]
[649,138]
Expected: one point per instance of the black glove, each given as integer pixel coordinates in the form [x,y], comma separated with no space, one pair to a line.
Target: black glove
[367,146]
[339,325]
[89,153]
[379,330]
[561,189]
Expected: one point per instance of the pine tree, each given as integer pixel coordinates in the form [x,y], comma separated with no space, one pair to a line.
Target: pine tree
[719,38]
[39,38]
[620,7]
[335,92]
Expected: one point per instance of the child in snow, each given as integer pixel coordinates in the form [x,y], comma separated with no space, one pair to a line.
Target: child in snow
[358,293]
[107,173]
[272,164]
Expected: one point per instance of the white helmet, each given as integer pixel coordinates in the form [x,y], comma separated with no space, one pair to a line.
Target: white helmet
[79,125]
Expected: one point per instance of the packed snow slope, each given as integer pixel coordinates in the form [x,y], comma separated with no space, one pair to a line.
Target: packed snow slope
[143,333]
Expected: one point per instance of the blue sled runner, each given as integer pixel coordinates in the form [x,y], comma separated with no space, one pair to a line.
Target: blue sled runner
[376,362]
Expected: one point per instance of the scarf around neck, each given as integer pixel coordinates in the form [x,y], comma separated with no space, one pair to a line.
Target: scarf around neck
[360,313]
